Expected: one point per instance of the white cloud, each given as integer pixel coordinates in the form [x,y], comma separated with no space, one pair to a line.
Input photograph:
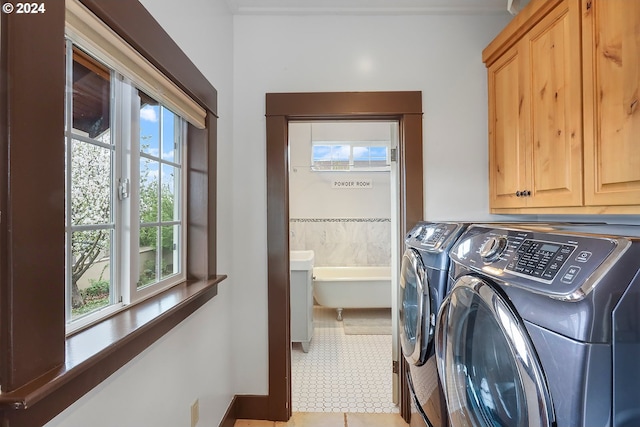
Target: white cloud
[149,114]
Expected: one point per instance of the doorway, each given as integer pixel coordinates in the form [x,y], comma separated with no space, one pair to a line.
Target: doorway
[281,108]
[343,203]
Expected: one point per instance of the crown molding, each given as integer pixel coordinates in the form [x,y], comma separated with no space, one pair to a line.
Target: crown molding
[359,7]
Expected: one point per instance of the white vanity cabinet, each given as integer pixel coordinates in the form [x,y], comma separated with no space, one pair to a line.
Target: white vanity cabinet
[301,297]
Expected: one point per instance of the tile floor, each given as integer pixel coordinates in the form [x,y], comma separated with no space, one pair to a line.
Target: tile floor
[341,373]
[343,381]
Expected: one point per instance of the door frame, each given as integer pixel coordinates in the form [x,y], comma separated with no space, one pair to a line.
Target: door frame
[406,108]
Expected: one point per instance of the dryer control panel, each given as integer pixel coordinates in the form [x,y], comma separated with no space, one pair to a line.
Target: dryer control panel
[556,263]
[541,259]
[432,237]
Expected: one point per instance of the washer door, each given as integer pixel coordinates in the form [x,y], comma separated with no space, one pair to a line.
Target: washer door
[490,371]
[415,315]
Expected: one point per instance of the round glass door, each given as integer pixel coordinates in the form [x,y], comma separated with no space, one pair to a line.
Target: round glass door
[490,371]
[413,308]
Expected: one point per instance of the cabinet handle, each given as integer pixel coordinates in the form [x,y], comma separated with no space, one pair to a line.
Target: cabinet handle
[518,194]
[527,193]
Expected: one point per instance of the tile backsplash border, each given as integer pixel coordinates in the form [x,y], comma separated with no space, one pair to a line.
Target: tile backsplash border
[340,220]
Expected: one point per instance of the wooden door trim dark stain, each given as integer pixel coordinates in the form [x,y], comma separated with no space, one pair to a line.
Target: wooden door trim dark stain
[406,107]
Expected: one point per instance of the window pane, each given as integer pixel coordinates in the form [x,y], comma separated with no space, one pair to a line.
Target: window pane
[340,153]
[331,157]
[170,137]
[160,197]
[168,193]
[170,242]
[321,153]
[91,194]
[149,127]
[370,156]
[378,154]
[361,153]
[89,171]
[90,271]
[148,256]
[91,95]
[149,182]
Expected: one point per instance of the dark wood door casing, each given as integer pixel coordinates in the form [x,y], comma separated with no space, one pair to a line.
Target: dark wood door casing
[406,108]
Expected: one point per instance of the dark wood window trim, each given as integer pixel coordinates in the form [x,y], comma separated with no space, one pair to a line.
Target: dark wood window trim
[42,372]
[406,107]
[97,352]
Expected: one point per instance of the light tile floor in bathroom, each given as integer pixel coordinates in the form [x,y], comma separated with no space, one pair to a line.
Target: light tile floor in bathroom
[342,373]
[343,381]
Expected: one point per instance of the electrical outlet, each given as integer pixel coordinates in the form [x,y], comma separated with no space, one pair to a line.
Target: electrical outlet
[195,413]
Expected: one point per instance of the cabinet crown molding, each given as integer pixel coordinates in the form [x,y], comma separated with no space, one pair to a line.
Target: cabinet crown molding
[516,28]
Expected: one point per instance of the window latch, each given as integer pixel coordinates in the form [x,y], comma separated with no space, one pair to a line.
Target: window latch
[123,188]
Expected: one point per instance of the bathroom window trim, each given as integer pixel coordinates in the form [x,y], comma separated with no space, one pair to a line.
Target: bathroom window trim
[42,377]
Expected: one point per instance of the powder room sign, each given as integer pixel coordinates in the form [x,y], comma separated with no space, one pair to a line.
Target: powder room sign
[352,183]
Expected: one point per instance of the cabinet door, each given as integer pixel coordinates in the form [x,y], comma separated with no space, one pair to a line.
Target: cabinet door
[507,142]
[611,41]
[552,56]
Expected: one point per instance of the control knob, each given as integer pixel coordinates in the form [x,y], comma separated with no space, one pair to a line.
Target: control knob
[493,248]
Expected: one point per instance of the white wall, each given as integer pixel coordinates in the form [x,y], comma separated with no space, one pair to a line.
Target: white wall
[343,226]
[311,194]
[193,360]
[438,55]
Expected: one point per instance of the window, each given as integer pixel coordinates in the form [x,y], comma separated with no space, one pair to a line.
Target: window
[350,156]
[161,147]
[43,370]
[124,198]
[90,155]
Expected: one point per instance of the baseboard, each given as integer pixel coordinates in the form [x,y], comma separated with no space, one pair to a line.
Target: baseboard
[252,407]
[248,407]
[229,418]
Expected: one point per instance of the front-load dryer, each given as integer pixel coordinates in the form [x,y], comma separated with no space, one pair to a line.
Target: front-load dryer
[541,327]
[423,284]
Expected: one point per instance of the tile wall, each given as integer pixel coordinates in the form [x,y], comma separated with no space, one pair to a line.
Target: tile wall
[343,241]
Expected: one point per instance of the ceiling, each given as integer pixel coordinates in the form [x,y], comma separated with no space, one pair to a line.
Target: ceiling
[368,7]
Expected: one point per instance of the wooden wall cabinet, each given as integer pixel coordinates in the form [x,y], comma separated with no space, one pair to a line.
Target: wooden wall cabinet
[611,67]
[564,119]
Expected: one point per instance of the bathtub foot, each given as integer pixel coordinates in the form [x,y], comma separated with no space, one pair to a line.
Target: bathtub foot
[305,346]
[339,311]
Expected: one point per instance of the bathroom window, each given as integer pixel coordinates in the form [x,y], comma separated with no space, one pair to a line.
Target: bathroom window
[371,157]
[350,156]
[124,200]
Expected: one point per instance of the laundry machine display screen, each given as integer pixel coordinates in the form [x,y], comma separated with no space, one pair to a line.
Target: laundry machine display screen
[540,259]
[549,248]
